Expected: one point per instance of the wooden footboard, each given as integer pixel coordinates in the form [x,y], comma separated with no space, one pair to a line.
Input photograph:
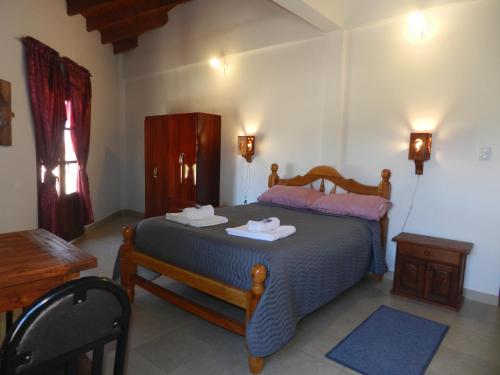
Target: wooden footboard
[248,300]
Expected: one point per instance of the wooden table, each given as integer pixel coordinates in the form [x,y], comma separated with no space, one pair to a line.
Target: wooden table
[33,262]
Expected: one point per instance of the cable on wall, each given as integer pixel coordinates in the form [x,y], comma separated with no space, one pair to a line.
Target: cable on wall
[412,201]
[246,183]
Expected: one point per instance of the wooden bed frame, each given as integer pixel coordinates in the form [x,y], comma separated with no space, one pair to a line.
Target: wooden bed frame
[131,257]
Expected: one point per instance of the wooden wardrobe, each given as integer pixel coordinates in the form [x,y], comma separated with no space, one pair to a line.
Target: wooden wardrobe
[182,155]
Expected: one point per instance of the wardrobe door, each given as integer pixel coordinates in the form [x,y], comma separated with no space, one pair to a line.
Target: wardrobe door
[181,162]
[208,159]
[187,159]
[156,158]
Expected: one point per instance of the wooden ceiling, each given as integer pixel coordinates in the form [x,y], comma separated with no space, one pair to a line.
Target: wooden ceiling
[120,22]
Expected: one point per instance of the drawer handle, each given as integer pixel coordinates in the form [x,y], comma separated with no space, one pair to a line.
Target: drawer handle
[427,253]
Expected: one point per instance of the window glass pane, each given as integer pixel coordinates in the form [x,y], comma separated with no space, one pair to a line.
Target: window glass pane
[55,172]
[67,124]
[71,174]
[69,151]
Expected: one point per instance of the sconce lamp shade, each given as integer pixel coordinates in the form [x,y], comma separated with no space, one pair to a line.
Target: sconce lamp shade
[420,150]
[246,147]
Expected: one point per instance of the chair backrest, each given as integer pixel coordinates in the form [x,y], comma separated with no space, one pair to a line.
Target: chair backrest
[77,317]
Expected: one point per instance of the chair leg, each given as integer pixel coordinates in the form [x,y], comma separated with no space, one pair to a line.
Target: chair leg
[121,353]
[255,364]
[72,366]
[97,357]
[9,320]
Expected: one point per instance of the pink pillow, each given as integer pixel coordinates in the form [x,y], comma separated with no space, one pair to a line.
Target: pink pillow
[371,207]
[292,196]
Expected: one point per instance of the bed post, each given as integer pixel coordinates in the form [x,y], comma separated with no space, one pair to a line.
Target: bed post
[385,186]
[273,177]
[384,190]
[127,268]
[259,274]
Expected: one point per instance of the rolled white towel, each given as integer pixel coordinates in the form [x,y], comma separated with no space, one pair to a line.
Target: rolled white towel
[197,223]
[199,212]
[268,235]
[266,224]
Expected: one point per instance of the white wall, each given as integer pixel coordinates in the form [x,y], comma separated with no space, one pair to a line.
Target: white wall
[361,12]
[347,99]
[199,30]
[276,91]
[47,21]
[452,79]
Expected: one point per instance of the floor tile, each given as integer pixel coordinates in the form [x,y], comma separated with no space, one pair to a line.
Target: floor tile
[136,365]
[146,326]
[476,344]
[296,362]
[167,340]
[451,362]
[173,349]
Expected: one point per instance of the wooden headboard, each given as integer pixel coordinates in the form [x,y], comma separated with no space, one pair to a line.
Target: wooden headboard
[324,172]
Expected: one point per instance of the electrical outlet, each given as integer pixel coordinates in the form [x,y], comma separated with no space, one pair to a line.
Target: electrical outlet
[485,153]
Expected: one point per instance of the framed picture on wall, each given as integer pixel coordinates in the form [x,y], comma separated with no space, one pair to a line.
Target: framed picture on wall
[5,114]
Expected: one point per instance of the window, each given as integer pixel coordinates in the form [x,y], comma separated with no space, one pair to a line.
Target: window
[67,170]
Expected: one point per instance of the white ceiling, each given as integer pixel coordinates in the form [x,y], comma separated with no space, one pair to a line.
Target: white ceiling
[328,15]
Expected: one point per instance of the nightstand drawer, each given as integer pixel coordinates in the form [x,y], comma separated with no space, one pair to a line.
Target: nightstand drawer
[421,252]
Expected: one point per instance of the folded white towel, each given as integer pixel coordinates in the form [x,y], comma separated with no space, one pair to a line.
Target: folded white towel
[270,235]
[197,223]
[266,224]
[198,212]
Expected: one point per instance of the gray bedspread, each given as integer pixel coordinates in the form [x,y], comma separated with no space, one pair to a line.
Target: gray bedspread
[326,256]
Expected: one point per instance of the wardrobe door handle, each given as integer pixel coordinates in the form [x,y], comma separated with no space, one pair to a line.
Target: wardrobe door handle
[155,173]
[181,166]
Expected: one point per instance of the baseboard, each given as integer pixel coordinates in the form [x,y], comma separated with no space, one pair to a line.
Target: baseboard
[127,212]
[474,295]
[469,294]
[389,275]
[114,215]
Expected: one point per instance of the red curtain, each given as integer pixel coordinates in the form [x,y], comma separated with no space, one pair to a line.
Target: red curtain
[46,83]
[79,93]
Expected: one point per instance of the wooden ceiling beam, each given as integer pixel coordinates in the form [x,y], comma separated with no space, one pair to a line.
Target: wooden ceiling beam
[121,14]
[134,27]
[80,6]
[121,22]
[125,45]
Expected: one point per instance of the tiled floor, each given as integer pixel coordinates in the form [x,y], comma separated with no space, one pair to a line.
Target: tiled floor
[167,340]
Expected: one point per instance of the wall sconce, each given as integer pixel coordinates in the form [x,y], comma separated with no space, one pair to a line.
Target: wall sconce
[220,64]
[418,24]
[246,147]
[420,150]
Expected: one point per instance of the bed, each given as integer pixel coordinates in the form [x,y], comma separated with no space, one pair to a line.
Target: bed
[276,283]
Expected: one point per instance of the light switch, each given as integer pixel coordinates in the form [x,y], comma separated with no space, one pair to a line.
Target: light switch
[485,153]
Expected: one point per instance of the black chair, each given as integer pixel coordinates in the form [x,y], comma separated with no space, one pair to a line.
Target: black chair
[75,318]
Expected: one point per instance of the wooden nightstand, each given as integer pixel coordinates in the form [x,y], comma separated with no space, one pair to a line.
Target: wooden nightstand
[430,269]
